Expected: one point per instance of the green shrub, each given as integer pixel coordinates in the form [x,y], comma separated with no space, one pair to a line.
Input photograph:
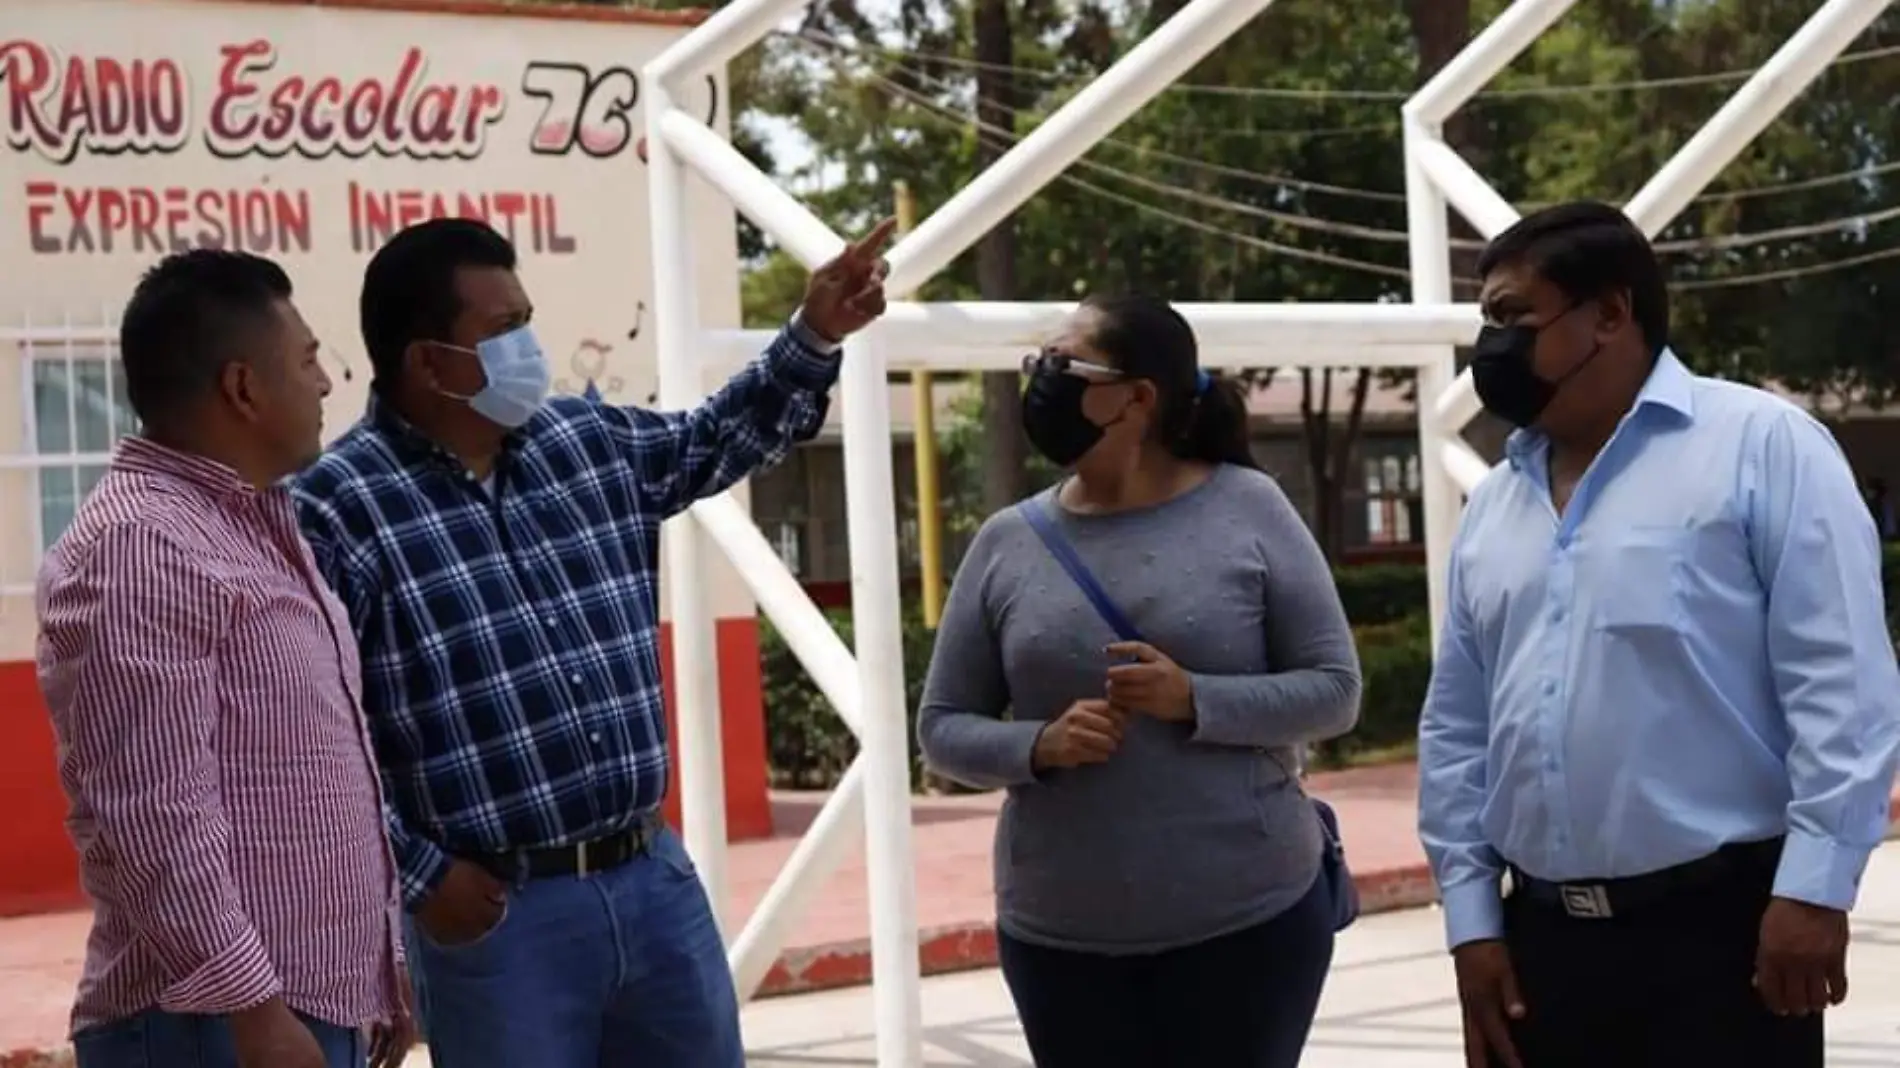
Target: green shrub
[1381,593]
[1395,659]
[809,748]
[806,745]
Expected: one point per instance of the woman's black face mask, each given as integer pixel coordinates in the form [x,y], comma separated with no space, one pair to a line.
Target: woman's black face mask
[1053,418]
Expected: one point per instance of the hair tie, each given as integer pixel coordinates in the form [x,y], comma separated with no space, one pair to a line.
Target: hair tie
[1202,383]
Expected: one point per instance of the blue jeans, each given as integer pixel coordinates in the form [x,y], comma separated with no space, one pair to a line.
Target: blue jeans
[621,968]
[155,1039]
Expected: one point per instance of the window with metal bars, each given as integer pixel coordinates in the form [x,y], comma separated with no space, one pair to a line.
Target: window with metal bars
[75,411]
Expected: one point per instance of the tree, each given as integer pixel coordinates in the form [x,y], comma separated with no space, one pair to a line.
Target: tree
[1005,472]
[1809,319]
[1262,181]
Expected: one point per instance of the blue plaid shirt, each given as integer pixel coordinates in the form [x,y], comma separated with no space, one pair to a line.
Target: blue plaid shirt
[510,642]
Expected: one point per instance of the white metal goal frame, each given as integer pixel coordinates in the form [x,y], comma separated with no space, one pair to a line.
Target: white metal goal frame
[867,690]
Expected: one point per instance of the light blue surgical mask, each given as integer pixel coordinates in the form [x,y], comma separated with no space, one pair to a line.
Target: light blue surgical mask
[517,375]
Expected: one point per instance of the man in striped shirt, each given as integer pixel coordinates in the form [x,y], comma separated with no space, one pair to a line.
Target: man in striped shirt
[497,552]
[204,688]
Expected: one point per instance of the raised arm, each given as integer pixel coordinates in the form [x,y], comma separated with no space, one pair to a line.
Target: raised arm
[128,662]
[1818,555]
[959,723]
[1313,692]
[1453,742]
[777,401]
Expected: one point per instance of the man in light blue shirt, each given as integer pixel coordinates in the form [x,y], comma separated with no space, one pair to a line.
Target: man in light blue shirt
[1665,703]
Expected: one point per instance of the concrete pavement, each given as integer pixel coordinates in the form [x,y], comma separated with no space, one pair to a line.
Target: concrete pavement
[1389,1003]
[40,956]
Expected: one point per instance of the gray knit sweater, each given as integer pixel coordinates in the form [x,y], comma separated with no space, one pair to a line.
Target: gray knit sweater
[1190,831]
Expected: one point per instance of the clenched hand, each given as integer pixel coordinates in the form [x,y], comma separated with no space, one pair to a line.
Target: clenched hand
[1089,732]
[1146,681]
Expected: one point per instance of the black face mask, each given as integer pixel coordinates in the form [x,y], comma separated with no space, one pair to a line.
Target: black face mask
[1507,385]
[1053,418]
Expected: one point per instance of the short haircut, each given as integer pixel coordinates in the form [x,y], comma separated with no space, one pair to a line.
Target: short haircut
[176,335]
[1589,250]
[409,287]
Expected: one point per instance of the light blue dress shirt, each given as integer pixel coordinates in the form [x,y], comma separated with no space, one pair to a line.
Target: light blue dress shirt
[1695,653]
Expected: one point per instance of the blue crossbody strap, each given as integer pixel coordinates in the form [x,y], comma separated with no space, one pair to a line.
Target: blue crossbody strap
[1344,894]
[1044,524]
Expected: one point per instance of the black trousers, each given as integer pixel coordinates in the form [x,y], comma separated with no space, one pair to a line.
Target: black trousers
[1665,986]
[1244,1000]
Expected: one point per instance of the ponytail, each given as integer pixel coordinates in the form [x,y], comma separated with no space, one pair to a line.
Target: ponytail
[1216,430]
[1202,416]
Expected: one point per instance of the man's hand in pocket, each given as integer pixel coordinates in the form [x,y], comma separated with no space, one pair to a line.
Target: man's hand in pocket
[465,907]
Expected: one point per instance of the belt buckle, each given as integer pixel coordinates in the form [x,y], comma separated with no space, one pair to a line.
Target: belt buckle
[1585,901]
[580,859]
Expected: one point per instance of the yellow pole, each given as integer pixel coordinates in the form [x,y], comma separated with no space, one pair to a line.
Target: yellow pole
[924,447]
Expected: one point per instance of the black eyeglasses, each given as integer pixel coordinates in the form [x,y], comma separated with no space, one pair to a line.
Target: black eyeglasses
[1061,363]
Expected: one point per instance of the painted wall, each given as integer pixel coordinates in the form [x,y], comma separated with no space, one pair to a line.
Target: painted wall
[309,132]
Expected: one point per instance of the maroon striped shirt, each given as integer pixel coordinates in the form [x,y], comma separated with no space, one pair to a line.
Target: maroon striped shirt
[205,693]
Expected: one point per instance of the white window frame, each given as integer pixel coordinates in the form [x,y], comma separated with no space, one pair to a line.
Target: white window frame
[70,344]
[1407,488]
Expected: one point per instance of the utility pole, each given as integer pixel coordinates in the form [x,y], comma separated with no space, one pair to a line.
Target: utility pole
[924,448]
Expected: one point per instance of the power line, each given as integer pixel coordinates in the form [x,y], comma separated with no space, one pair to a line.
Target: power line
[1858,174]
[819,40]
[1002,139]
[1726,77]
[1263,178]
[984,130]
[1696,245]
[1790,273]
[1240,237]
[998,139]
[1723,242]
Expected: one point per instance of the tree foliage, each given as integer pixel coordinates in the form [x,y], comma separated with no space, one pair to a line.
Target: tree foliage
[1187,199]
[1275,173]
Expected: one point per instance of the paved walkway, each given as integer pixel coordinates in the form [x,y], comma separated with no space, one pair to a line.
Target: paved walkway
[1389,1004]
[1396,1016]
[955,905]
[40,956]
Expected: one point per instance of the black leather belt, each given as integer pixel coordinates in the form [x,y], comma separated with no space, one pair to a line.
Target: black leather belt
[581,858]
[1609,898]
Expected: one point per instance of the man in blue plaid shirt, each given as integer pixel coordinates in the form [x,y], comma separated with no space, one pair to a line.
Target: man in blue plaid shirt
[497,551]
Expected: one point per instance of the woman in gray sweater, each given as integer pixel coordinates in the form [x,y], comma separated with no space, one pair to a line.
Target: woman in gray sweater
[1158,869]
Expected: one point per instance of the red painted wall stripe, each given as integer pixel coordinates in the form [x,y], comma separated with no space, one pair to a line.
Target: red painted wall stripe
[39,872]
